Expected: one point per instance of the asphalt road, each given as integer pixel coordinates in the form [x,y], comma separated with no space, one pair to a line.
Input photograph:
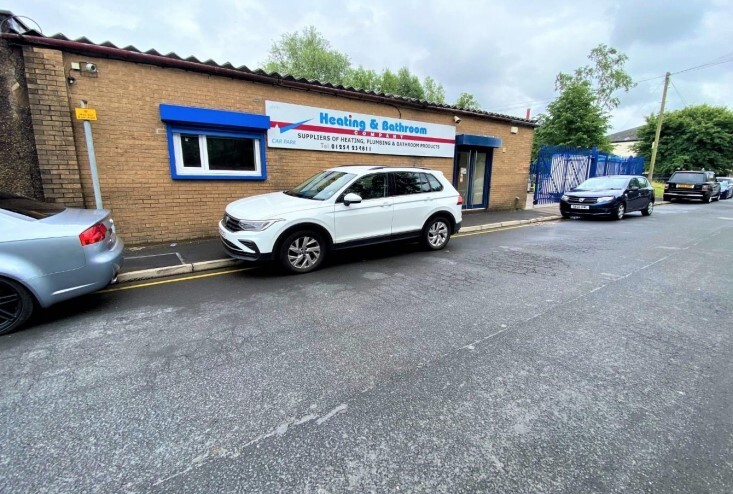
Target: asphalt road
[573,356]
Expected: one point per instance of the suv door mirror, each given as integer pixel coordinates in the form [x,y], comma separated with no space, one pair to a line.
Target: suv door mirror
[351,198]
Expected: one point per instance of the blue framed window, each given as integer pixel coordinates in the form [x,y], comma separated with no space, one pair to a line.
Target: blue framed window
[206,144]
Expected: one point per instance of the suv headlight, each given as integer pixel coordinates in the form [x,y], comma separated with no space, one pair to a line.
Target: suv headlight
[605,199]
[666,186]
[565,197]
[256,226]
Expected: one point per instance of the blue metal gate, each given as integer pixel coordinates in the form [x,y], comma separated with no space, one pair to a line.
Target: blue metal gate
[560,168]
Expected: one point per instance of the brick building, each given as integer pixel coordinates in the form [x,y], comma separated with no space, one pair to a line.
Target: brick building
[166,127]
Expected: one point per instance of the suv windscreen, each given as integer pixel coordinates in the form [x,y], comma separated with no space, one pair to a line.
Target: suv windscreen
[28,207]
[322,185]
[687,178]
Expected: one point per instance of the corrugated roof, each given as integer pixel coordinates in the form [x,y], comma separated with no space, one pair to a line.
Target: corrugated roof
[628,135]
[84,45]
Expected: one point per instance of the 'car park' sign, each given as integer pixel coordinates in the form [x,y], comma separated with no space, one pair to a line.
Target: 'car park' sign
[321,129]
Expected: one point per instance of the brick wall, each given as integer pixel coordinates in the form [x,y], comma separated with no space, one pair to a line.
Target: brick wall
[132,149]
[51,117]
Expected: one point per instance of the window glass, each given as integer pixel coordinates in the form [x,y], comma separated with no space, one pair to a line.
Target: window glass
[687,178]
[369,187]
[633,183]
[424,184]
[227,153]
[602,183]
[406,183]
[435,184]
[642,182]
[29,207]
[190,150]
[321,186]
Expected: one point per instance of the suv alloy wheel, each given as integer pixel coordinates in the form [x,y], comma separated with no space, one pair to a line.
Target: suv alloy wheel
[302,251]
[436,233]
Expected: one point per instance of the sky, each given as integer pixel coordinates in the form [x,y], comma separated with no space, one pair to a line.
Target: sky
[506,53]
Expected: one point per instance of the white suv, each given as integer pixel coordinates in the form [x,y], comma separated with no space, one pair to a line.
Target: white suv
[343,207]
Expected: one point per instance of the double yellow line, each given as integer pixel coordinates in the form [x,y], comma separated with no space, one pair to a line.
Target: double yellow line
[239,270]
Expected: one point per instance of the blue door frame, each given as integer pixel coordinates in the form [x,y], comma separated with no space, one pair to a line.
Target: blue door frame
[473,145]
[473,153]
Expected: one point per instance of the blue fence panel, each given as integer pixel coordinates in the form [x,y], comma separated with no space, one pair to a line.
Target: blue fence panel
[560,168]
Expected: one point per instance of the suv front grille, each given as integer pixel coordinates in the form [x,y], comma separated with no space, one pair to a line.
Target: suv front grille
[231,224]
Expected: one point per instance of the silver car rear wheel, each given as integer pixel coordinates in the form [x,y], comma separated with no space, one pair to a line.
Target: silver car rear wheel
[16,305]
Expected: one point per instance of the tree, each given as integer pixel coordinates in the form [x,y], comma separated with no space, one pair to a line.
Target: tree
[362,78]
[467,101]
[573,119]
[606,76]
[409,85]
[434,91]
[695,137]
[308,54]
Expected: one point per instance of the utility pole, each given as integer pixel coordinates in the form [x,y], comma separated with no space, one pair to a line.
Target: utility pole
[655,144]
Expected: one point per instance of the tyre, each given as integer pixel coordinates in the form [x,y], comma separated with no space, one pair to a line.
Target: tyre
[717,198]
[707,199]
[620,211]
[302,251]
[565,215]
[667,198]
[436,233]
[647,211]
[16,305]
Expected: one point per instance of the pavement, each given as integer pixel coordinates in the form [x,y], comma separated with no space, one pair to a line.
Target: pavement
[161,260]
[568,356]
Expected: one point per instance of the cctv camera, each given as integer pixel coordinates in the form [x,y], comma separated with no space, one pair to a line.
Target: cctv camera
[457,119]
[91,67]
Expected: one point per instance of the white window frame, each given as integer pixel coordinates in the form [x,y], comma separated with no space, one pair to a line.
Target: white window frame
[203,150]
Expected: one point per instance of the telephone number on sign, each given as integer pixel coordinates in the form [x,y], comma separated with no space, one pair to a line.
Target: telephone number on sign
[350,147]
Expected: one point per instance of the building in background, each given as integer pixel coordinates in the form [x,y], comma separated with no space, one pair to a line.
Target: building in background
[623,141]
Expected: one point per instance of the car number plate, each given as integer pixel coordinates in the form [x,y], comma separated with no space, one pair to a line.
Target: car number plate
[685,186]
[578,206]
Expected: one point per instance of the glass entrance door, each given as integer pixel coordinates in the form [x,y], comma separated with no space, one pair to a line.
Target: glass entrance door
[473,173]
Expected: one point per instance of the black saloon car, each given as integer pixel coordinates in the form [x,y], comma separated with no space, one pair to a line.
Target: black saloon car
[699,185]
[612,196]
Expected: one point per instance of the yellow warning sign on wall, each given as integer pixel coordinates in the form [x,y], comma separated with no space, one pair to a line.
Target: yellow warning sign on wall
[86,113]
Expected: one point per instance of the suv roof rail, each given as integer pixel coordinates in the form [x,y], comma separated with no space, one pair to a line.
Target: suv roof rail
[377,167]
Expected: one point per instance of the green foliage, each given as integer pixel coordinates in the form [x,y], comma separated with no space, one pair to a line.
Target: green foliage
[308,54]
[606,76]
[467,101]
[361,78]
[434,91]
[573,119]
[693,138]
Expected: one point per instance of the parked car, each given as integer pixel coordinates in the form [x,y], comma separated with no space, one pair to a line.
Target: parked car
[686,184]
[613,196]
[726,187]
[49,253]
[342,207]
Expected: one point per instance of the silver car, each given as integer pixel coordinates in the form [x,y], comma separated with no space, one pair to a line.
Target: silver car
[49,253]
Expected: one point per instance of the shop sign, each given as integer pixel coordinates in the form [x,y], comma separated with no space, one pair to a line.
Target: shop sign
[321,129]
